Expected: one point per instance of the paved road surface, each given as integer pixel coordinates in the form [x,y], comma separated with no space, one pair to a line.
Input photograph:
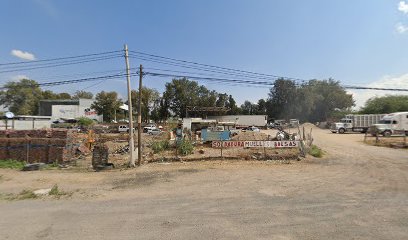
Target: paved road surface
[356,192]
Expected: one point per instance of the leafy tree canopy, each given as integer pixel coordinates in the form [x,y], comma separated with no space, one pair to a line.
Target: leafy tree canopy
[386,104]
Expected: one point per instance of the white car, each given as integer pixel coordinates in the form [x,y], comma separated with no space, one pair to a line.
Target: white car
[154,131]
[149,127]
[253,129]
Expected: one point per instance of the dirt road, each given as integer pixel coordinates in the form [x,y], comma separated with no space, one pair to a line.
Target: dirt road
[355,192]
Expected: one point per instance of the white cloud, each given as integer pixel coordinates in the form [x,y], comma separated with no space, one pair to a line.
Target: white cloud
[19,77]
[23,55]
[403,7]
[401,28]
[361,96]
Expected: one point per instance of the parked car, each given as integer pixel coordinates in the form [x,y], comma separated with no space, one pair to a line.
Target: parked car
[149,127]
[154,131]
[253,129]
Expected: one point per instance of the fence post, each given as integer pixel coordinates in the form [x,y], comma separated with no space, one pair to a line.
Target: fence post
[365,136]
[222,145]
[376,138]
[405,138]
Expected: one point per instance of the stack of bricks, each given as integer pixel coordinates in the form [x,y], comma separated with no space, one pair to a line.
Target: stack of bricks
[37,145]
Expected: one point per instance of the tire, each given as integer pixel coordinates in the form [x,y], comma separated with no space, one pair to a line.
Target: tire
[342,130]
[387,133]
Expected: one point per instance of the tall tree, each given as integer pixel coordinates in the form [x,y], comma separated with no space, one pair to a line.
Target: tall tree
[106,103]
[181,93]
[386,104]
[82,94]
[64,95]
[232,105]
[282,99]
[21,97]
[248,108]
[149,99]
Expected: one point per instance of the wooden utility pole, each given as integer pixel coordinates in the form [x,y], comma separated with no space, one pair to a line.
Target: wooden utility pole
[139,119]
[131,140]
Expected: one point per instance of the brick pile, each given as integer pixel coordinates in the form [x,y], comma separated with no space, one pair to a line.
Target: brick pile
[38,145]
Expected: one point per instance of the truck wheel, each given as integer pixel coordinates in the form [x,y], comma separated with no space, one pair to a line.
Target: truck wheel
[342,130]
[387,133]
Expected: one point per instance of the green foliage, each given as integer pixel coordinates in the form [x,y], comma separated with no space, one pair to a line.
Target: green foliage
[150,101]
[84,121]
[106,103]
[22,97]
[181,93]
[11,164]
[160,146]
[56,192]
[315,151]
[25,194]
[313,101]
[185,147]
[386,104]
[82,94]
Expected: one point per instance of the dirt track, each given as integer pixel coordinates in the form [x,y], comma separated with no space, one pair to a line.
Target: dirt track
[355,192]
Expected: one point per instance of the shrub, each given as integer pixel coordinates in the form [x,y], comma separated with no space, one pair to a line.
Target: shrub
[315,151]
[83,121]
[160,146]
[12,164]
[186,147]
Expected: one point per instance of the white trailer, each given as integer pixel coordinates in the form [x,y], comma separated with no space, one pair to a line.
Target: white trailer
[393,123]
[243,120]
[356,123]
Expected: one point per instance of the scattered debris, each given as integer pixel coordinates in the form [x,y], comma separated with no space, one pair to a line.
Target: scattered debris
[34,166]
[41,192]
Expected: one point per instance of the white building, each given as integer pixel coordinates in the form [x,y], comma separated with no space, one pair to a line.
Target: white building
[69,109]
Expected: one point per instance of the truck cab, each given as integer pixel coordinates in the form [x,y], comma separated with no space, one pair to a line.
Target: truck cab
[342,126]
[391,124]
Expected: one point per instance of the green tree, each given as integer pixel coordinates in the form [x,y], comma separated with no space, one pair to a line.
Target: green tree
[149,99]
[261,107]
[282,99]
[64,95]
[248,108]
[313,101]
[232,105]
[82,94]
[181,93]
[106,103]
[21,97]
[386,104]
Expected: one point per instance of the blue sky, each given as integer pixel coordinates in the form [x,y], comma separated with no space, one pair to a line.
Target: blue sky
[360,42]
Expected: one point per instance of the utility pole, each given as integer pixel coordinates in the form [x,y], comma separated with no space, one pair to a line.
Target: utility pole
[131,140]
[139,119]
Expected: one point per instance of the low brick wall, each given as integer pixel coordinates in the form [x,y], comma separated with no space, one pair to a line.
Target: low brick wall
[34,146]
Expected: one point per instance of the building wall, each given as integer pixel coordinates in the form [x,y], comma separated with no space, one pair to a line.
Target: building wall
[26,124]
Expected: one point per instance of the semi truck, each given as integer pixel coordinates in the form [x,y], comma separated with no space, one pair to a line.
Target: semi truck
[356,123]
[390,124]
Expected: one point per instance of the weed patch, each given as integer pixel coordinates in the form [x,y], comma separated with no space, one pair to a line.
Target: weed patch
[315,151]
[186,147]
[160,146]
[56,192]
[11,164]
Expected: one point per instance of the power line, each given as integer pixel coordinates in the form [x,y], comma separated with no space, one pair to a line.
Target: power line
[216,67]
[61,58]
[60,64]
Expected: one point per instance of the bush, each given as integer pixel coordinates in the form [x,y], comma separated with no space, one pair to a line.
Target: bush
[315,151]
[12,164]
[186,147]
[83,121]
[160,146]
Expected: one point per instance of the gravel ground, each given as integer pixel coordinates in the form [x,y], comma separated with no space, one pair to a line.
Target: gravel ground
[355,192]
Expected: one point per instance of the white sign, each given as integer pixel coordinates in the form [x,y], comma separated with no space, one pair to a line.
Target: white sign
[255,144]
